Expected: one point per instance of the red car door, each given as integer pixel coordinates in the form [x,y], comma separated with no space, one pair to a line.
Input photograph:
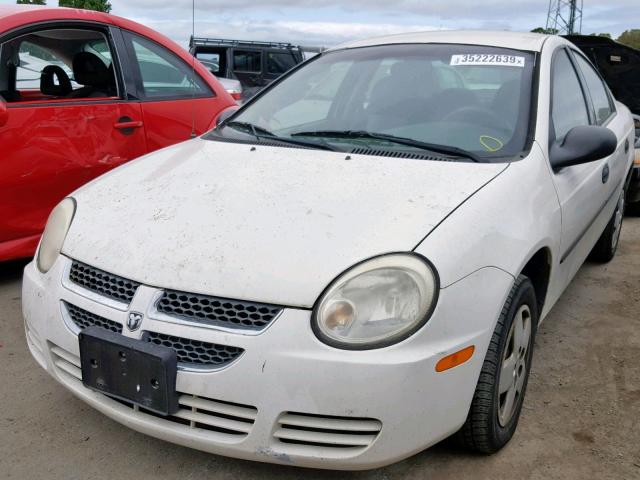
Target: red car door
[54,141]
[174,107]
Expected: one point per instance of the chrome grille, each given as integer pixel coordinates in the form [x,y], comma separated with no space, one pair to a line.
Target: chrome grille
[103,283]
[195,352]
[217,311]
[84,319]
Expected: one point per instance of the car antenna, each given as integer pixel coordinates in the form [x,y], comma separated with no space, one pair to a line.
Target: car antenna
[193,72]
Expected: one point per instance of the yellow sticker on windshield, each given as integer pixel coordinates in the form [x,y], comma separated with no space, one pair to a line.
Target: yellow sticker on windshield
[491,144]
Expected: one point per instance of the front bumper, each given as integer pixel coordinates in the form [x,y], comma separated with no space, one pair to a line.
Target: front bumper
[348,409]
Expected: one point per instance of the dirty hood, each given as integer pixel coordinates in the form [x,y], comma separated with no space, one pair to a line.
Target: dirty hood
[260,223]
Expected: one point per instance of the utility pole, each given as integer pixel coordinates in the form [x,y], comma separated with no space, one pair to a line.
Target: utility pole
[565,16]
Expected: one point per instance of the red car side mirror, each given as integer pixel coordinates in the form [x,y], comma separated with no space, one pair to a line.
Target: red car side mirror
[4,113]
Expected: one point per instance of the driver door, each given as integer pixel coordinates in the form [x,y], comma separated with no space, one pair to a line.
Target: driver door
[52,145]
[585,190]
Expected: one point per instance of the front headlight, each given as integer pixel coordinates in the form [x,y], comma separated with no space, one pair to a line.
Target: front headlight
[55,233]
[377,303]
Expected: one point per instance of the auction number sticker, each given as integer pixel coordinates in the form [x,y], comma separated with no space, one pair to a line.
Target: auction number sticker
[487,59]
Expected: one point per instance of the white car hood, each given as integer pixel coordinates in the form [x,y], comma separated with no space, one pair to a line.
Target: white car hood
[260,223]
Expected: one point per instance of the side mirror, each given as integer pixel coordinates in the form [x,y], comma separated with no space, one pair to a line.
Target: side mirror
[226,114]
[4,112]
[583,144]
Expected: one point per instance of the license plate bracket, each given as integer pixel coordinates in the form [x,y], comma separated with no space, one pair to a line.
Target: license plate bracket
[133,370]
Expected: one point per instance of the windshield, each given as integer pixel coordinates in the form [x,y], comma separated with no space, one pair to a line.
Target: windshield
[472,98]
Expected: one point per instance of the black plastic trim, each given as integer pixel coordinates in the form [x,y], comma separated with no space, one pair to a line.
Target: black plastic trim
[383,343]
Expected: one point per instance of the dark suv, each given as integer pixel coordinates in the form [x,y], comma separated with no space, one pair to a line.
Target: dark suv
[254,64]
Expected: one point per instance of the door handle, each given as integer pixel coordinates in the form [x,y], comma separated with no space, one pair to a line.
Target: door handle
[123,125]
[626,146]
[127,125]
[605,174]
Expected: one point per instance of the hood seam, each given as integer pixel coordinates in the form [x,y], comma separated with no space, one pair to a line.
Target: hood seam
[459,205]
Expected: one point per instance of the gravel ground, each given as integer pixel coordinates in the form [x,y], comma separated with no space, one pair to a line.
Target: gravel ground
[581,418]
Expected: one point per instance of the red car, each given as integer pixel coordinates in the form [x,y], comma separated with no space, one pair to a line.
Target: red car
[82,92]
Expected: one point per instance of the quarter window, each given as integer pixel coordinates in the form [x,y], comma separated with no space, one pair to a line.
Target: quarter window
[568,104]
[597,89]
[246,61]
[163,74]
[278,63]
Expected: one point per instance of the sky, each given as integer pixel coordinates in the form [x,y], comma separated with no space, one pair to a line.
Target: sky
[330,22]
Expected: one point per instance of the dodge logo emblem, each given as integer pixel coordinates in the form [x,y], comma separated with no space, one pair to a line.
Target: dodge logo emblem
[134,320]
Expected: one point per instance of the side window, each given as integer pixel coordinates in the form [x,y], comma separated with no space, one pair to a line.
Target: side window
[280,62]
[247,61]
[33,59]
[163,74]
[568,104]
[599,96]
[57,63]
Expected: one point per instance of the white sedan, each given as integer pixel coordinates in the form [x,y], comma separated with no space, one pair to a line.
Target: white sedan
[350,268]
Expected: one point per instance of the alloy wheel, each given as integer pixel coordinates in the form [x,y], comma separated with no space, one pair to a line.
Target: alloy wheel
[514,366]
[617,223]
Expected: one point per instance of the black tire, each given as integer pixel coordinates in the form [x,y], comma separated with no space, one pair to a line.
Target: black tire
[607,245]
[632,209]
[483,431]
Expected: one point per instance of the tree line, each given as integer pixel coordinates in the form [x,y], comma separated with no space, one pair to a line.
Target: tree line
[630,38]
[98,5]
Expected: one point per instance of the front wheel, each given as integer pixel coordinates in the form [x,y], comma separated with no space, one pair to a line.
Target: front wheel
[607,245]
[497,402]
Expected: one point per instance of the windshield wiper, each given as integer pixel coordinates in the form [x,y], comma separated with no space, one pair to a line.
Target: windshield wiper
[262,133]
[256,130]
[433,147]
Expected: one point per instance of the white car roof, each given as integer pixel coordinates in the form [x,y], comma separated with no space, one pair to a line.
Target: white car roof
[516,40]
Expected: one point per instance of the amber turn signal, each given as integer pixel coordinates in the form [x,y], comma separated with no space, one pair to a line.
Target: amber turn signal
[455,359]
